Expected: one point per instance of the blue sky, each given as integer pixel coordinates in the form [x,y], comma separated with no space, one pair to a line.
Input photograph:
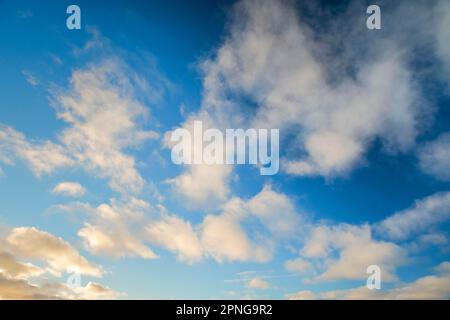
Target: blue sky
[87,182]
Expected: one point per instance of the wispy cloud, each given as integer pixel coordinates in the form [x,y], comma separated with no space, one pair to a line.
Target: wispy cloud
[30,78]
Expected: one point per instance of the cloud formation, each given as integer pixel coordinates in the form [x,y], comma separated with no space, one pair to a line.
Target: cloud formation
[42,157]
[176,235]
[434,157]
[274,71]
[72,189]
[431,287]
[57,254]
[22,290]
[115,229]
[269,56]
[423,215]
[225,237]
[346,251]
[47,255]
[271,70]
[100,94]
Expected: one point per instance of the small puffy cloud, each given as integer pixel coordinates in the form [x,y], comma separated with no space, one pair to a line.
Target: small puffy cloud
[176,235]
[434,158]
[331,153]
[275,211]
[425,214]
[257,283]
[72,189]
[203,184]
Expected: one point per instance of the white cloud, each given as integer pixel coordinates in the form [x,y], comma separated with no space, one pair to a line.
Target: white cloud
[122,228]
[443,267]
[203,185]
[276,212]
[224,236]
[116,230]
[20,289]
[431,287]
[72,189]
[257,283]
[177,236]
[245,229]
[25,280]
[200,185]
[346,251]
[11,268]
[42,157]
[92,291]
[224,239]
[270,58]
[105,116]
[425,214]
[60,256]
[98,95]
[228,236]
[23,290]
[434,158]
[102,241]
[423,241]
[286,74]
